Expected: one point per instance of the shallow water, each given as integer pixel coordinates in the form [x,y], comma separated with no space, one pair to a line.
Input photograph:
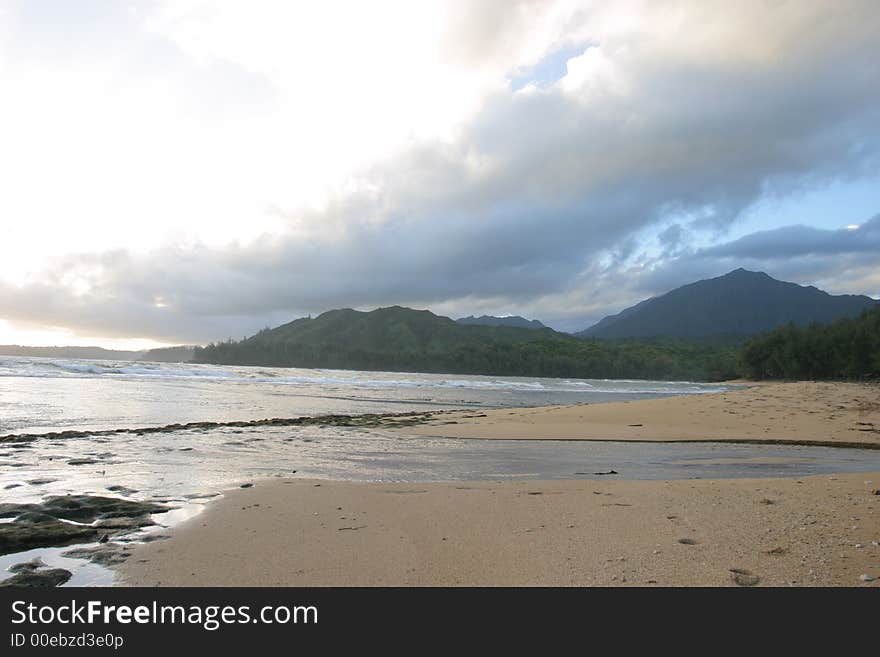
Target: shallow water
[187,469]
[39,395]
[198,462]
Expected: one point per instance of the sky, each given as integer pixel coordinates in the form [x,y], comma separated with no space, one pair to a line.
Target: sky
[193,170]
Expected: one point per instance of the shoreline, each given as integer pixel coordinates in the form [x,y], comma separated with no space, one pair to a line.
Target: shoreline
[797,413]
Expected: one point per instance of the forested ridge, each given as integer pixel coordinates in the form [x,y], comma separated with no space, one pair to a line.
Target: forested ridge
[401,339]
[405,340]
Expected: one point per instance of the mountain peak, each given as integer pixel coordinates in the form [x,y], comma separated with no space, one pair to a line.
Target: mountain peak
[741,272]
[741,302]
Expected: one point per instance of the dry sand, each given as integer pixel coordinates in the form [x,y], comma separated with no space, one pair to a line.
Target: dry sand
[844,414]
[814,531]
[304,533]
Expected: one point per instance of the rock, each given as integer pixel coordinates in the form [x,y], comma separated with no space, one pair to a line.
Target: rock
[743,577]
[27,566]
[33,518]
[122,490]
[866,578]
[124,523]
[84,508]
[29,533]
[40,482]
[246,486]
[688,541]
[149,538]
[42,525]
[47,578]
[107,554]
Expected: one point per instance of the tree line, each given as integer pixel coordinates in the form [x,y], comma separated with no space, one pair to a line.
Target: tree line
[603,359]
[848,348]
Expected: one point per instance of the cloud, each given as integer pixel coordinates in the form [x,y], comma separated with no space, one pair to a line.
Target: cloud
[536,202]
[791,241]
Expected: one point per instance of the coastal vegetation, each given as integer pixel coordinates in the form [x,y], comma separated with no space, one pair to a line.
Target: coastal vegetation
[842,349]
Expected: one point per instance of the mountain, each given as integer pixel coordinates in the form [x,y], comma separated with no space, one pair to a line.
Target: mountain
[400,339]
[182,354]
[739,303]
[511,320]
[88,353]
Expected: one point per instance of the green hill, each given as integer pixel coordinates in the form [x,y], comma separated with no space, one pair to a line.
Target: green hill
[406,340]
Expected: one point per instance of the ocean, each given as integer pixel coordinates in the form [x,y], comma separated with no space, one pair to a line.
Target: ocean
[49,394]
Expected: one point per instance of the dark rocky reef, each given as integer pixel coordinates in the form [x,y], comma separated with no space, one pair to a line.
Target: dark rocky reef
[105,554]
[69,519]
[34,573]
[408,418]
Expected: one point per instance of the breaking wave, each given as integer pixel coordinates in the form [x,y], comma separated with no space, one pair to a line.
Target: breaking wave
[73,368]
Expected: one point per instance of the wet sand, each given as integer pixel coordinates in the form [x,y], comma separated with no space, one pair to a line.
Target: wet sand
[817,531]
[808,413]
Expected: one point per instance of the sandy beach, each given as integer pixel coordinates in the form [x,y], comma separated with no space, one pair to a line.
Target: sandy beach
[817,531]
[836,414]
[810,531]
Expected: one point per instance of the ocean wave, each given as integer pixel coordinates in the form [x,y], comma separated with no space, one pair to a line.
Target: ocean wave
[353,379]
